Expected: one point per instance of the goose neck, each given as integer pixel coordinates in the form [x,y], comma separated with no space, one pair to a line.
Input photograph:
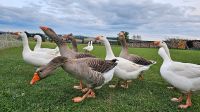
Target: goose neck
[65,51]
[25,44]
[109,52]
[167,51]
[74,45]
[124,45]
[164,55]
[38,44]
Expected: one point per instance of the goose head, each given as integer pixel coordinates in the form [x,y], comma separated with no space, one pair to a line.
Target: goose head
[91,43]
[163,48]
[121,35]
[22,34]
[48,31]
[68,37]
[160,44]
[37,37]
[101,39]
[44,71]
[40,74]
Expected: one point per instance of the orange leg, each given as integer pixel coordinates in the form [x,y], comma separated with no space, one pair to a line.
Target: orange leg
[125,85]
[84,90]
[177,99]
[141,77]
[89,93]
[188,102]
[170,87]
[115,85]
[80,85]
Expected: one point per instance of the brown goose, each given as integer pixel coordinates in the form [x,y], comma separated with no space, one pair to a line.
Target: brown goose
[94,72]
[132,57]
[64,49]
[73,40]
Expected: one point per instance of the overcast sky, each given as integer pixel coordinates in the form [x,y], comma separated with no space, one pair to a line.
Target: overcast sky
[152,19]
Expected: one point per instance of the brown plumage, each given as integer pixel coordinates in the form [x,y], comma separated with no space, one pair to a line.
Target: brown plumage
[90,70]
[131,57]
[64,50]
[102,66]
[84,55]
[87,69]
[136,59]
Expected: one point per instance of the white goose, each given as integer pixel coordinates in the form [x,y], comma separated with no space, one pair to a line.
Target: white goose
[183,76]
[89,48]
[125,69]
[38,48]
[33,57]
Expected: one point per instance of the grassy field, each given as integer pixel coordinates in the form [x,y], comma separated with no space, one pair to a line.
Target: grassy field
[55,93]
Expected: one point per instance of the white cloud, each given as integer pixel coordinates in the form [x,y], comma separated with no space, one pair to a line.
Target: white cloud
[153,19]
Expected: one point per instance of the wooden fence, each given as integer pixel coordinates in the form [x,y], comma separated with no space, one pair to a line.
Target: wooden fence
[8,40]
[175,44]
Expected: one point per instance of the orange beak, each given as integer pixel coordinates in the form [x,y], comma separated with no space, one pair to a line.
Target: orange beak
[97,38]
[44,28]
[35,78]
[16,33]
[156,43]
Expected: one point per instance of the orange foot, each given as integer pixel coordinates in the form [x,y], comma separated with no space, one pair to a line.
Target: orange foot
[84,90]
[177,99]
[91,95]
[77,99]
[80,86]
[129,81]
[77,87]
[112,86]
[170,87]
[184,106]
[141,77]
[124,86]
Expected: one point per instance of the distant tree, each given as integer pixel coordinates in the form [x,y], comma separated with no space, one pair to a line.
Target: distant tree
[126,34]
[137,37]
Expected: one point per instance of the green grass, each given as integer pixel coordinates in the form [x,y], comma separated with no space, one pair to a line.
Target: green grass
[55,93]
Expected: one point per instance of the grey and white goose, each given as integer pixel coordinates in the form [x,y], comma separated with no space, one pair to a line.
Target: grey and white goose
[64,49]
[69,37]
[93,71]
[132,57]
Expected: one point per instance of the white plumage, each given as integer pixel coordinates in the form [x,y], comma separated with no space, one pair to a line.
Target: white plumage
[183,76]
[38,48]
[125,69]
[89,47]
[33,57]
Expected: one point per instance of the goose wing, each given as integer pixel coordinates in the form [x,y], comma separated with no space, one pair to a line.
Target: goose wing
[84,55]
[187,70]
[100,65]
[138,59]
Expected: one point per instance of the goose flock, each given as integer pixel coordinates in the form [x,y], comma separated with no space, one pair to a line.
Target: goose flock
[94,72]
[89,48]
